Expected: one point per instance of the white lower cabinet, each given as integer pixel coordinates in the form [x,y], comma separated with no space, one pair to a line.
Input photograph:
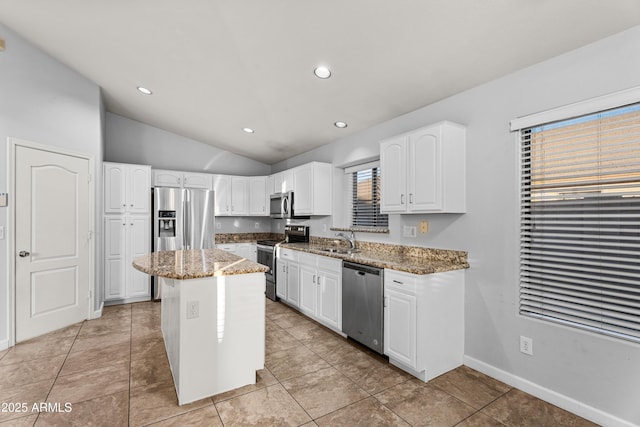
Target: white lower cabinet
[321,289]
[287,276]
[125,237]
[424,321]
[245,250]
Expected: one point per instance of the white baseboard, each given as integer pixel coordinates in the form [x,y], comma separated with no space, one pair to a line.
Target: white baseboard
[97,313]
[560,400]
[4,344]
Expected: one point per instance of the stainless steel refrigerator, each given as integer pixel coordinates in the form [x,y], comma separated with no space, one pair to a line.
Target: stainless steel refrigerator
[182,219]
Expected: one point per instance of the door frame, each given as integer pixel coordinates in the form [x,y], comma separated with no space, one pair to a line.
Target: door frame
[12,144]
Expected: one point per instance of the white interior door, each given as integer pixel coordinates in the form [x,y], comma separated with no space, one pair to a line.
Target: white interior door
[52,241]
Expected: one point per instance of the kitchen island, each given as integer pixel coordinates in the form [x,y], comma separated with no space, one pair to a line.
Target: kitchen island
[213,318]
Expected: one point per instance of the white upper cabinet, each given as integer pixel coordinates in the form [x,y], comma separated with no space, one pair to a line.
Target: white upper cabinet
[222,194]
[239,195]
[312,184]
[423,171]
[258,196]
[283,181]
[178,179]
[126,188]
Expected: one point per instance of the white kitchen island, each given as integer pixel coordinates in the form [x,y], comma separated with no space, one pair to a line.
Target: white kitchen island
[213,319]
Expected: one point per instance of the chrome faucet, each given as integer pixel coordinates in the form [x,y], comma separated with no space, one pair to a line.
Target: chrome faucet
[351,239]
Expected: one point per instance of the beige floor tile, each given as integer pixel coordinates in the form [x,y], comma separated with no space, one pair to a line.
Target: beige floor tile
[205,417]
[147,346]
[31,371]
[145,307]
[335,350]
[109,411]
[158,402]
[96,358]
[293,362]
[264,378]
[69,331]
[31,350]
[324,391]
[151,370]
[91,342]
[371,374]
[310,332]
[480,420]
[423,405]
[86,385]
[269,406]
[366,413]
[279,340]
[27,394]
[105,326]
[26,421]
[3,353]
[291,320]
[517,408]
[472,387]
[117,310]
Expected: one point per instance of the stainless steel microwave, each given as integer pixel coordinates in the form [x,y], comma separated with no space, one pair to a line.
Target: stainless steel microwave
[281,205]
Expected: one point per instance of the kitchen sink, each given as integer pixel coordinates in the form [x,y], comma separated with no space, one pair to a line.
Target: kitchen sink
[340,251]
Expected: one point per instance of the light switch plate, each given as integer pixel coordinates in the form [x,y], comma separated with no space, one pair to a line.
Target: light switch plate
[3,200]
[1,232]
[408,231]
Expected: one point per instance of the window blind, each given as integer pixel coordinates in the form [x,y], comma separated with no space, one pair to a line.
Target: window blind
[366,199]
[580,222]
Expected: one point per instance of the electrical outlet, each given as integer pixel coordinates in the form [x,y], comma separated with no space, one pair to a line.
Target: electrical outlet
[424,227]
[193,309]
[257,225]
[408,231]
[526,345]
[218,225]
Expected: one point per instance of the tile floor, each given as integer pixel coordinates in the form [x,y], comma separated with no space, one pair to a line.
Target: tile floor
[114,372]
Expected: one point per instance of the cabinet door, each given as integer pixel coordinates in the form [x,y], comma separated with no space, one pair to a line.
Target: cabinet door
[258,196]
[424,165]
[329,309]
[138,189]
[287,181]
[114,176]
[239,195]
[222,194]
[165,178]
[308,289]
[281,279]
[400,327]
[393,160]
[138,243]
[197,180]
[114,256]
[303,189]
[293,284]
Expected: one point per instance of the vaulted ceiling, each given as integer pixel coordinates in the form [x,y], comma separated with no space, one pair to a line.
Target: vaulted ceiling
[218,66]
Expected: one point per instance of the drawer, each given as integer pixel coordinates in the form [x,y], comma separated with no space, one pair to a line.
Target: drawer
[288,254]
[400,282]
[329,264]
[308,259]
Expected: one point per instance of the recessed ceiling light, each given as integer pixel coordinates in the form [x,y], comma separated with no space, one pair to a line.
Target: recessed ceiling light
[340,125]
[248,130]
[322,72]
[144,90]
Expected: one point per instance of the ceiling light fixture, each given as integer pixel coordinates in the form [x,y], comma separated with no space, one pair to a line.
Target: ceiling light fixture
[248,130]
[340,125]
[322,72]
[144,90]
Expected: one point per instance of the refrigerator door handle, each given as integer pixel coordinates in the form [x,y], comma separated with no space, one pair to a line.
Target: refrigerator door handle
[186,223]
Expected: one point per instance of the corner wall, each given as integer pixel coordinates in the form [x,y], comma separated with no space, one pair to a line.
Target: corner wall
[594,376]
[43,101]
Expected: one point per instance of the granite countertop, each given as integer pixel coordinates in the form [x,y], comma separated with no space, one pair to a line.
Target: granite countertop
[412,260]
[196,263]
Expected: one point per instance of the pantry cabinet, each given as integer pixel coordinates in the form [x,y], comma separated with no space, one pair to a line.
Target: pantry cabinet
[424,321]
[126,231]
[423,171]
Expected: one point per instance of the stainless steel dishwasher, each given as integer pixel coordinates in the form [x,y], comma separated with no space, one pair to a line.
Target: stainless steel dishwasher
[362,304]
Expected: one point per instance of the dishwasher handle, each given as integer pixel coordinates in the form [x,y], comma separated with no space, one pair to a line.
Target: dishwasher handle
[361,269]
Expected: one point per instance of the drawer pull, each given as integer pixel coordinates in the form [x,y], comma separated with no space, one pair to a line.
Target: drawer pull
[398,282]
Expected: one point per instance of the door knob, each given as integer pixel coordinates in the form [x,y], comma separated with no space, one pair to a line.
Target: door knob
[24,254]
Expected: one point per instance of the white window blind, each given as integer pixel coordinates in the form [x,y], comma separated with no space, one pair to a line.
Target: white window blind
[366,199]
[580,222]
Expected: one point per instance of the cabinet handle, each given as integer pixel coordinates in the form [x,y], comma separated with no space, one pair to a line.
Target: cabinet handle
[124,205]
[410,197]
[132,224]
[314,278]
[402,199]
[398,282]
[131,205]
[384,303]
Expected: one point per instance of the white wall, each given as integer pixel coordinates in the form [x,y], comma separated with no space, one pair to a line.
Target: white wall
[43,101]
[598,372]
[129,141]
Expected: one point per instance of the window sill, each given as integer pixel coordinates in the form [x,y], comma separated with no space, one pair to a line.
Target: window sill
[378,230]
